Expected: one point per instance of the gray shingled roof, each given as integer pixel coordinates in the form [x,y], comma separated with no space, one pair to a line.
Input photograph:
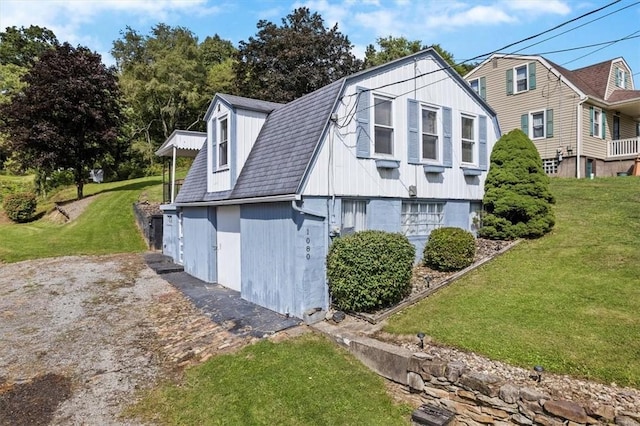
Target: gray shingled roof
[250,104]
[195,184]
[285,145]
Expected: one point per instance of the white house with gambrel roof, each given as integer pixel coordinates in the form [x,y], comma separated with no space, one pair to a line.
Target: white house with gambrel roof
[403,147]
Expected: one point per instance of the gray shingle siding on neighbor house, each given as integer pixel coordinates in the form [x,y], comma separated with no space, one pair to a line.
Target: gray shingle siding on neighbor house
[285,146]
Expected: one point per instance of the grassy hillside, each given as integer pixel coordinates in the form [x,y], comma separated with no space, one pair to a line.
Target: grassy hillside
[106,226]
[567,301]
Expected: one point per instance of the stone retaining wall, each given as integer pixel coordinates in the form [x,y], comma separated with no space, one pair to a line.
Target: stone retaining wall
[475,397]
[149,220]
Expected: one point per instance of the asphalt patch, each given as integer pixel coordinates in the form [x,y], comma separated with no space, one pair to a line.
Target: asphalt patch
[33,402]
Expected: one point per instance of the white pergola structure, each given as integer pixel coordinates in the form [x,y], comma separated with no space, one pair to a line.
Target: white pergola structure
[181,143]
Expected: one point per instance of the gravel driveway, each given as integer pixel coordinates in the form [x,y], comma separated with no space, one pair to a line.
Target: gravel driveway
[79,336]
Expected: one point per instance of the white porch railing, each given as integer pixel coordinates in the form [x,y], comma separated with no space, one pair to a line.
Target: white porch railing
[623,147]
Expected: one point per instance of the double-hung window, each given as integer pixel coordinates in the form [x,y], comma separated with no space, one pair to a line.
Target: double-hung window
[354,216]
[223,144]
[621,78]
[468,133]
[537,125]
[383,123]
[475,85]
[522,79]
[420,218]
[430,146]
[597,123]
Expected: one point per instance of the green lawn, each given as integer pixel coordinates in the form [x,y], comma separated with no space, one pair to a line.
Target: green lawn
[106,226]
[569,301]
[302,381]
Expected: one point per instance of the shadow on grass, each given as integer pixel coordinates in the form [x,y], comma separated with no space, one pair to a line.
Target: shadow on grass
[135,186]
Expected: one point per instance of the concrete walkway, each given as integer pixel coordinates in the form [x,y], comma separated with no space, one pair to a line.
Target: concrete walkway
[222,305]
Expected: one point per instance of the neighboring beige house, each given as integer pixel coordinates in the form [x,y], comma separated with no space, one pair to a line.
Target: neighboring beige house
[584,122]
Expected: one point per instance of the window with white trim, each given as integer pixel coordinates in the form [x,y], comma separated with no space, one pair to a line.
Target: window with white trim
[223,143]
[550,166]
[468,133]
[621,78]
[420,218]
[354,216]
[475,85]
[597,123]
[538,124]
[383,124]
[522,78]
[430,133]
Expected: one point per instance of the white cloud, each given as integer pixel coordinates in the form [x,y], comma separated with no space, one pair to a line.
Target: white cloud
[477,15]
[537,7]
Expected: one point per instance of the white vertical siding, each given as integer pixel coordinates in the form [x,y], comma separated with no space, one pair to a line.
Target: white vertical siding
[246,127]
[338,171]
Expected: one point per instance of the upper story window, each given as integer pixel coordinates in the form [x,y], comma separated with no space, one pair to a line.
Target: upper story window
[223,143]
[430,134]
[621,78]
[468,133]
[383,123]
[475,85]
[522,79]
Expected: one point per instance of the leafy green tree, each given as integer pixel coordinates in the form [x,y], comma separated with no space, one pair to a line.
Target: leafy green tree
[168,79]
[517,200]
[392,48]
[282,63]
[68,114]
[23,46]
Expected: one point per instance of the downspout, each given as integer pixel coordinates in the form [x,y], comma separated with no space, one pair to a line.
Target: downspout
[579,135]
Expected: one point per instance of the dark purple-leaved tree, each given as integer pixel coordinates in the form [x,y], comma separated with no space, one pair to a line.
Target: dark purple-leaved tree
[68,115]
[282,63]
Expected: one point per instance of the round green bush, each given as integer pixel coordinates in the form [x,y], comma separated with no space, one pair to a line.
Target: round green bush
[20,207]
[369,270]
[449,249]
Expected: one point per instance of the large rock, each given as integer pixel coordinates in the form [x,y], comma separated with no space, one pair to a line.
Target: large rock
[567,410]
[415,382]
[626,421]
[509,393]
[486,384]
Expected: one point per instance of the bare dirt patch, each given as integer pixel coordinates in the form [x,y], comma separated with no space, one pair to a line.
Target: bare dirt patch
[80,335]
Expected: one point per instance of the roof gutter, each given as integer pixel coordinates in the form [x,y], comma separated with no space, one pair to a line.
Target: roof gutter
[302,210]
[253,200]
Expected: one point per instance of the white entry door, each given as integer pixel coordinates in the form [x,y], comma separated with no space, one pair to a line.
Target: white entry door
[229,246]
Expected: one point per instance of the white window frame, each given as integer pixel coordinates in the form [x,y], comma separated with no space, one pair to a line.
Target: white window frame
[419,218]
[437,134]
[475,85]
[526,78]
[532,126]
[221,120]
[473,141]
[623,78]
[550,166]
[353,216]
[597,123]
[377,99]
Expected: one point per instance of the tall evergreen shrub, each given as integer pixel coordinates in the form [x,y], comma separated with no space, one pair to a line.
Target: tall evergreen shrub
[517,200]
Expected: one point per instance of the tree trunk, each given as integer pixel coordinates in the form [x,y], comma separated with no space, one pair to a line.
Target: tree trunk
[79,186]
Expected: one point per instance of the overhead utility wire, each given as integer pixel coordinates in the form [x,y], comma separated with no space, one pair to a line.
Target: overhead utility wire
[575,28]
[610,42]
[597,50]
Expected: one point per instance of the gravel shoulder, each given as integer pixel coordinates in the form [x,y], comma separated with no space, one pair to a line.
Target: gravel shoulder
[80,335]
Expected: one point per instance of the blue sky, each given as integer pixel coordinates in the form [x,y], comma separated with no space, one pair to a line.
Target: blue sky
[466,28]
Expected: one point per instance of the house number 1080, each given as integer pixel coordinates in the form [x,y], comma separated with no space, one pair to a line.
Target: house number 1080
[308,241]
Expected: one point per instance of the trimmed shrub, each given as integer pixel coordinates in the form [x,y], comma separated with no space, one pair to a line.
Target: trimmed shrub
[369,270]
[517,201]
[20,207]
[449,249]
